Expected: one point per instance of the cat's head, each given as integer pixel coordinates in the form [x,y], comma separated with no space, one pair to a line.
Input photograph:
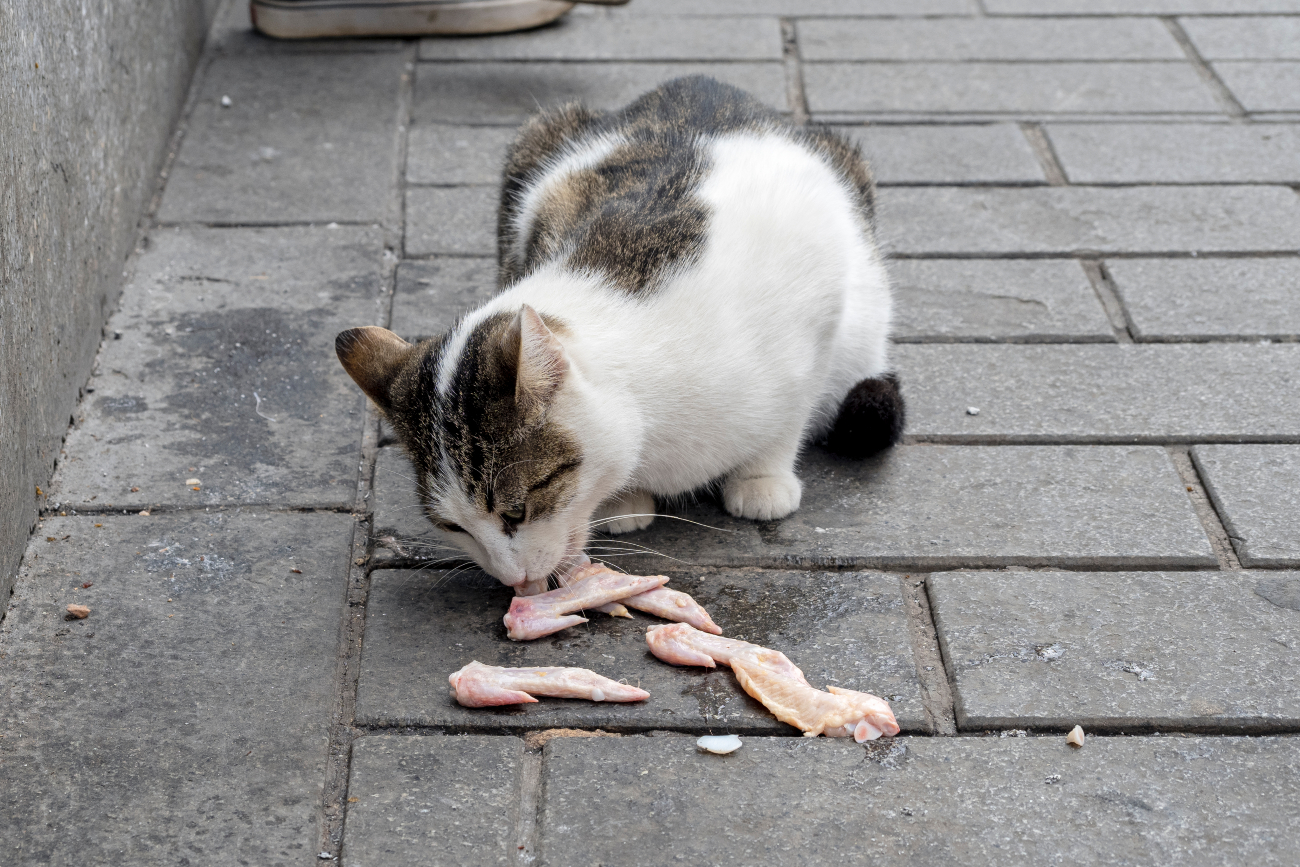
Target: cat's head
[510,453]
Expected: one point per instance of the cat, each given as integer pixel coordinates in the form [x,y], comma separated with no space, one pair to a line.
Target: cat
[690,291]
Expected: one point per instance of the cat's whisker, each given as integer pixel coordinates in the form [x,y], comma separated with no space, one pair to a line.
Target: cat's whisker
[592,524]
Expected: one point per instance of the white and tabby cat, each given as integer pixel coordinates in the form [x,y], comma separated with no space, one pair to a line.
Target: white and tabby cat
[690,292]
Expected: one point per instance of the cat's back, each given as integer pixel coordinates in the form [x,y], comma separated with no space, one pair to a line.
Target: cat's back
[631,195]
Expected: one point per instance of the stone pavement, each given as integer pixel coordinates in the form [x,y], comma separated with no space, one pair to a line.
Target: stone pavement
[1092,211]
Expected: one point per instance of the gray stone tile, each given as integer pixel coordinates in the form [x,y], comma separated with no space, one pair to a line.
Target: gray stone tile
[1139,7]
[917,802]
[459,220]
[449,155]
[1245,38]
[622,38]
[1062,220]
[188,716]
[443,800]
[1256,490]
[400,533]
[1178,299]
[947,154]
[496,93]
[1107,393]
[1127,651]
[307,138]
[1262,86]
[225,372]
[845,628]
[1025,300]
[432,294]
[930,507]
[1178,153]
[1005,88]
[803,8]
[986,39]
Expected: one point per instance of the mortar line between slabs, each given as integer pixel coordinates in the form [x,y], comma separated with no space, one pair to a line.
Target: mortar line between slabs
[1045,153]
[1222,95]
[1109,298]
[796,96]
[334,791]
[1211,520]
[405,103]
[532,800]
[931,669]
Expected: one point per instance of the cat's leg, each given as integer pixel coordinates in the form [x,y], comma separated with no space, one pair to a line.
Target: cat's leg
[765,489]
[624,512]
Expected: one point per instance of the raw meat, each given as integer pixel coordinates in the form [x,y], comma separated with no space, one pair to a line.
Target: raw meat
[532,617]
[479,685]
[661,602]
[770,677]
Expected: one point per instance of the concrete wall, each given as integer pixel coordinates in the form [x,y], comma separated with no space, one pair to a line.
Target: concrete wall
[90,93]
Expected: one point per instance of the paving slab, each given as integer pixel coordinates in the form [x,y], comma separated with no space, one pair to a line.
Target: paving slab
[843,628]
[459,220]
[922,801]
[947,154]
[451,155]
[225,372]
[925,507]
[433,293]
[1256,491]
[306,138]
[187,718]
[1064,220]
[1262,86]
[986,39]
[1006,88]
[1245,38]
[1178,153]
[992,300]
[1126,651]
[433,800]
[1139,7]
[622,38]
[507,93]
[1115,393]
[1185,299]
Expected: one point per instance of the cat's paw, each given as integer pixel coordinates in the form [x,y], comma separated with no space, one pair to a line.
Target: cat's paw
[765,498]
[624,513]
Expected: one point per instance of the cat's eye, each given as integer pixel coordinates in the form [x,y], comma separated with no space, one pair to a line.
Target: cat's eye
[513,516]
[450,527]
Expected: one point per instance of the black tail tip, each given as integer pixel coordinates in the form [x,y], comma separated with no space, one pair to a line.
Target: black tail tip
[870,419]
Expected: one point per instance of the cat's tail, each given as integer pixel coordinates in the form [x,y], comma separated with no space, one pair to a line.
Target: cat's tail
[870,419]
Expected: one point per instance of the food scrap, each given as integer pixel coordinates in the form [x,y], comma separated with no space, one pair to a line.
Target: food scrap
[532,617]
[661,602]
[77,612]
[1075,737]
[774,680]
[719,744]
[479,685]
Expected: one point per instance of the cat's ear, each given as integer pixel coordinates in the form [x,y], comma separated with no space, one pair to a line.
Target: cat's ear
[541,363]
[373,356]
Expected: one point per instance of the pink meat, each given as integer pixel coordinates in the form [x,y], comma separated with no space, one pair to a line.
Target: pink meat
[479,685]
[532,617]
[770,677]
[673,605]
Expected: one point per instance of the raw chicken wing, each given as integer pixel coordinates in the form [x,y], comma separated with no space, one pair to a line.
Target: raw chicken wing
[770,677]
[593,585]
[479,685]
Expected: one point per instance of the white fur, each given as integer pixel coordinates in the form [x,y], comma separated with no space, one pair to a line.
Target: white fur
[724,370]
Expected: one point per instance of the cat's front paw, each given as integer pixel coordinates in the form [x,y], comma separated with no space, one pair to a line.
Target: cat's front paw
[764,498]
[624,513]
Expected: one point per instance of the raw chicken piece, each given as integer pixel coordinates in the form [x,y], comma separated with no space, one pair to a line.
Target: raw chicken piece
[838,713]
[479,685]
[673,605]
[770,677]
[613,609]
[592,585]
[682,644]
